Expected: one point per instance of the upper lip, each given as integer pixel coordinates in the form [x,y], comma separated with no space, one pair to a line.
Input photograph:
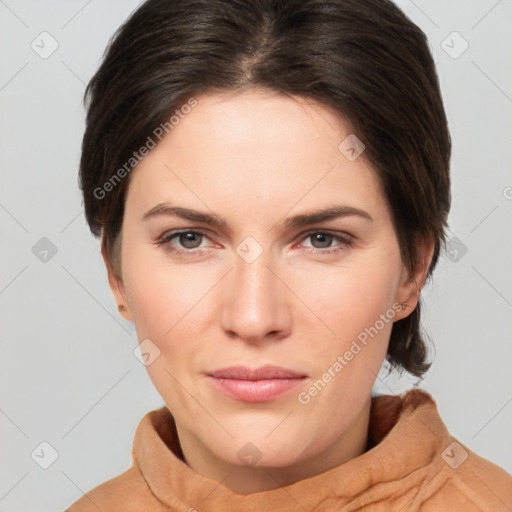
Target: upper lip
[265,372]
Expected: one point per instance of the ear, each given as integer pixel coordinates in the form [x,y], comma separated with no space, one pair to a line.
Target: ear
[411,283]
[116,286]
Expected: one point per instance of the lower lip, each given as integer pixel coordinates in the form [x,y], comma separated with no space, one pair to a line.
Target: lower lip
[255,390]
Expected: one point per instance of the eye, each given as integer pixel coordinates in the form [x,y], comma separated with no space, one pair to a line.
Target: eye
[189,240]
[324,240]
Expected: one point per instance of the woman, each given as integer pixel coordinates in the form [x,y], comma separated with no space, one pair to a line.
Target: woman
[270,181]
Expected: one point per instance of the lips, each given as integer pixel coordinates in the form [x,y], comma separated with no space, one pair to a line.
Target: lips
[261,384]
[262,373]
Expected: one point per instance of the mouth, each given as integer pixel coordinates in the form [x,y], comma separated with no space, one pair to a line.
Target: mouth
[261,384]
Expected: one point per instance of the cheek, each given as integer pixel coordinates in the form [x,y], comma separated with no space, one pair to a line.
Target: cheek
[346,362]
[346,300]
[354,306]
[161,295]
[165,301]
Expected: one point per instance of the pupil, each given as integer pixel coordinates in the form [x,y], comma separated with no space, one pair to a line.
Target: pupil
[189,239]
[318,238]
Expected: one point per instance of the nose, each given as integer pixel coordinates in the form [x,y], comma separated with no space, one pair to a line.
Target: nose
[255,307]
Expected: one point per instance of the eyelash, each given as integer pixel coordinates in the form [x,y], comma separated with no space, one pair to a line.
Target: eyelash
[168,237]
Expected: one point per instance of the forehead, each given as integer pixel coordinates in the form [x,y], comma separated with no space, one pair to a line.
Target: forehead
[258,149]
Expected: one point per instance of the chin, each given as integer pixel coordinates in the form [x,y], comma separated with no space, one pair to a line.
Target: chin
[275,451]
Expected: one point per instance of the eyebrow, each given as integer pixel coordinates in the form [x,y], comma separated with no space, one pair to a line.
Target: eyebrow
[304,219]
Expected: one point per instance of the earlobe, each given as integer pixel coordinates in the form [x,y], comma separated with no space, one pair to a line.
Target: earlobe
[412,282]
[117,288]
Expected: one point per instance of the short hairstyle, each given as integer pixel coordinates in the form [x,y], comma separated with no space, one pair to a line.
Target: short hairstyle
[364,58]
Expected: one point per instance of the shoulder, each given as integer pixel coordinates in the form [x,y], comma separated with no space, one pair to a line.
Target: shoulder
[455,478]
[467,478]
[124,493]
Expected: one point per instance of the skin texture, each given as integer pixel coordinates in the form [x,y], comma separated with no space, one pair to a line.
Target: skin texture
[254,159]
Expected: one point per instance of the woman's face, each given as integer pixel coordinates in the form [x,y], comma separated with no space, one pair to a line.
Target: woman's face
[260,286]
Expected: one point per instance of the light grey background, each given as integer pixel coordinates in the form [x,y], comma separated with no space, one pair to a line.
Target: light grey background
[69,376]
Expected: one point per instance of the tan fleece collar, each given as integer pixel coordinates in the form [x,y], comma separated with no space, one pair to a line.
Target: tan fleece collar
[406,433]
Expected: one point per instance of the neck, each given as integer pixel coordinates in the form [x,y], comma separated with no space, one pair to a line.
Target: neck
[351,443]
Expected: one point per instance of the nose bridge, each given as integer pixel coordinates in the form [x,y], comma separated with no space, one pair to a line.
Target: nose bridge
[255,306]
[254,281]
[251,269]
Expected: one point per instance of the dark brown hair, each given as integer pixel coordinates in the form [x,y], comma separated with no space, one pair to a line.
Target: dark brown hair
[363,58]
